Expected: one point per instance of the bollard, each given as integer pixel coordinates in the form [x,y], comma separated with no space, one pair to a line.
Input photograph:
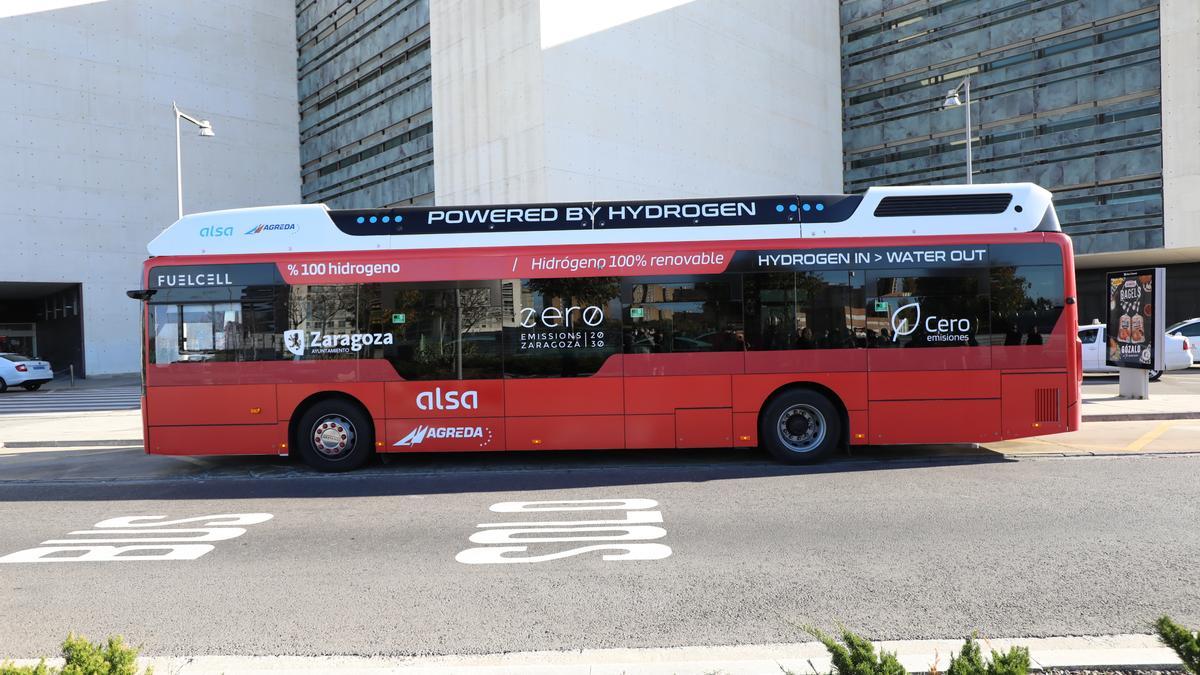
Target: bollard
[72,369]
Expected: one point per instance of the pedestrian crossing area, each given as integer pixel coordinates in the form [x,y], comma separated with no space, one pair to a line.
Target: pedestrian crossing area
[18,401]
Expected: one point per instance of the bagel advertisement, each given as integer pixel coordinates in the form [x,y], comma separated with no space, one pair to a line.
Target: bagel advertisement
[1135,319]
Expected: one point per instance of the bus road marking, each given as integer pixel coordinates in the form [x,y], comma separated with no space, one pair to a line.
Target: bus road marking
[143,538]
[1149,437]
[626,537]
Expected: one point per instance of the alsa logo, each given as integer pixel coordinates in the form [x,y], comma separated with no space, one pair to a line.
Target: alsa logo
[271,227]
[216,232]
[421,433]
[297,342]
[448,400]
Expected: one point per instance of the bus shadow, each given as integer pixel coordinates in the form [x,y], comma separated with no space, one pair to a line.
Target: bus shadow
[127,473]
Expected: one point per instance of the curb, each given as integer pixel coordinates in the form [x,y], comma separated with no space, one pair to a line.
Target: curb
[1105,652]
[1085,453]
[1143,417]
[71,444]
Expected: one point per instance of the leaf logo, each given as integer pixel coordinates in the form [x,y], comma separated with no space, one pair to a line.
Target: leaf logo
[901,325]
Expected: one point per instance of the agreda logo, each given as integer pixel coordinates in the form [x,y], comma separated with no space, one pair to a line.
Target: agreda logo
[423,432]
[271,227]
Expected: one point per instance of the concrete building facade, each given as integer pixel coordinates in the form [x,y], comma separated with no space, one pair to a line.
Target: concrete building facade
[1095,100]
[548,100]
[88,136]
[373,103]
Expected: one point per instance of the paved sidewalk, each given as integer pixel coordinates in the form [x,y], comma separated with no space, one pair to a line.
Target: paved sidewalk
[1121,437]
[1175,396]
[1104,407]
[94,382]
[75,429]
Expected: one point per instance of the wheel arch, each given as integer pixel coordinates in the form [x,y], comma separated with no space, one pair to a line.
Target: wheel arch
[838,403]
[320,397]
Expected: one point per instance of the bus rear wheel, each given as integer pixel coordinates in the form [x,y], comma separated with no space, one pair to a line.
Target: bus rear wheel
[335,436]
[800,427]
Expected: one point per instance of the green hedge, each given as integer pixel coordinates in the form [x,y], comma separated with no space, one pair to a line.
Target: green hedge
[84,658]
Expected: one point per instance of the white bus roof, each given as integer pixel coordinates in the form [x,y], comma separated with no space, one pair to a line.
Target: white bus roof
[881,212]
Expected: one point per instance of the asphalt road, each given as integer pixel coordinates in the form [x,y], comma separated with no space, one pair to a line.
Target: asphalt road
[366,564]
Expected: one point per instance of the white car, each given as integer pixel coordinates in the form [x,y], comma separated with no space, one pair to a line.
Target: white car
[1178,354]
[29,373]
[1189,329]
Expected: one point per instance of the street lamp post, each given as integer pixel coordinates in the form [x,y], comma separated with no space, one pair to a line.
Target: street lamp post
[952,101]
[205,130]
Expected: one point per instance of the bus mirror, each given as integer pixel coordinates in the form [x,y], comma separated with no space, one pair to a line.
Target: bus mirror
[140,294]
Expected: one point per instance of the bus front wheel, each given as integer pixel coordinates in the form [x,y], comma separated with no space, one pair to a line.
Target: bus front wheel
[800,427]
[335,435]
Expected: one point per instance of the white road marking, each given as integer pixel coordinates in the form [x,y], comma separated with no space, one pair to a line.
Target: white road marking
[634,527]
[146,539]
[71,400]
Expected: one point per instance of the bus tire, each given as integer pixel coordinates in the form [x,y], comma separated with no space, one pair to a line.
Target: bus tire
[335,435]
[800,426]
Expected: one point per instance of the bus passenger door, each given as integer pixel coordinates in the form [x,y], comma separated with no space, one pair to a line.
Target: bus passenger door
[562,364]
[929,359]
[449,353]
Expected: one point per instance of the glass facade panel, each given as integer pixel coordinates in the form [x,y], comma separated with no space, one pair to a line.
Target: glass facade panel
[366,120]
[1065,95]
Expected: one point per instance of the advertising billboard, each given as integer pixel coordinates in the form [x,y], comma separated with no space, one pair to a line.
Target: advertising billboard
[1135,319]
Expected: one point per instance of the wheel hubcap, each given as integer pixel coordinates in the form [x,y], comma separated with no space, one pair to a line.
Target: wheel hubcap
[801,428]
[333,436]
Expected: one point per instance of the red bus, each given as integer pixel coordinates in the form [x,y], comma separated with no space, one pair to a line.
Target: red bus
[800,324]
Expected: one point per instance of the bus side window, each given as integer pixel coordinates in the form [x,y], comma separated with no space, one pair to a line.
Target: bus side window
[565,327]
[164,346]
[1026,302]
[684,314]
[922,307]
[802,310]
[197,331]
[443,331]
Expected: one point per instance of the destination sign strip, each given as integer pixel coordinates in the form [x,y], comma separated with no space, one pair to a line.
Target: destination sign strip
[208,276]
[768,210]
[876,257]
